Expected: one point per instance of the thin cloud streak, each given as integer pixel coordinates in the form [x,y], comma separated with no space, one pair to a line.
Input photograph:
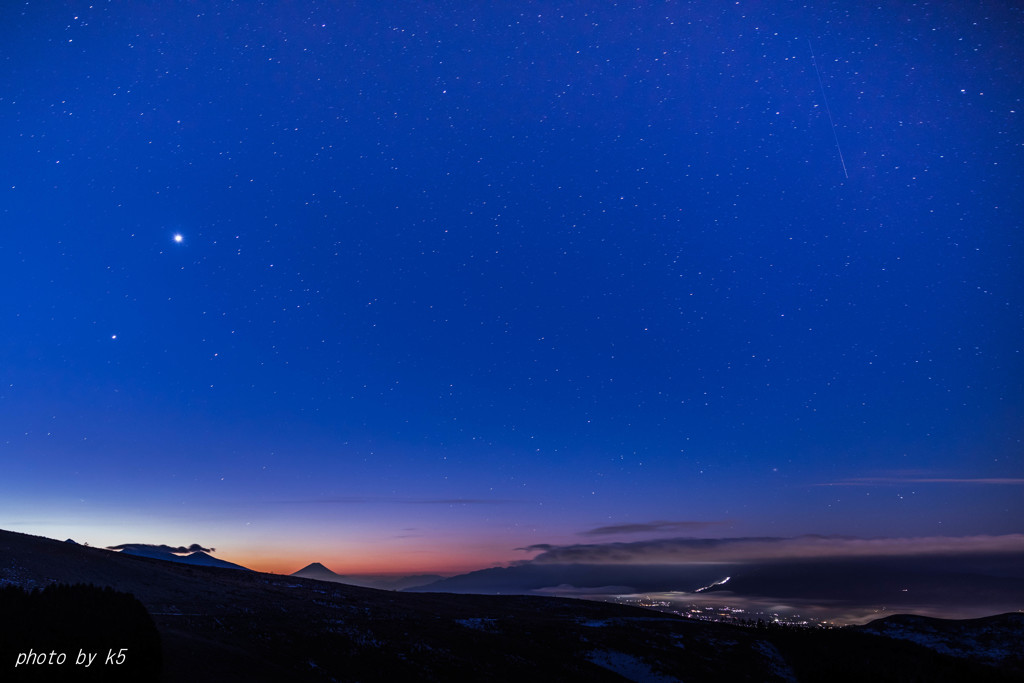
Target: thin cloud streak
[368,500]
[657,526]
[895,481]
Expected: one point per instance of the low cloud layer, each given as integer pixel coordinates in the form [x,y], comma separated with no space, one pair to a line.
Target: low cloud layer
[839,613]
[180,550]
[760,549]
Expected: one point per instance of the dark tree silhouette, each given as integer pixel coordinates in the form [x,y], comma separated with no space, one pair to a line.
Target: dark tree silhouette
[37,627]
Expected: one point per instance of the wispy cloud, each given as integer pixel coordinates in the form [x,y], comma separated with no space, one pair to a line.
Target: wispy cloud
[897,481]
[657,526]
[180,550]
[542,547]
[459,501]
[760,549]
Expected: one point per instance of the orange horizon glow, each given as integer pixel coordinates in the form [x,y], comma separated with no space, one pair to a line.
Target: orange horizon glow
[373,552]
[396,565]
[287,567]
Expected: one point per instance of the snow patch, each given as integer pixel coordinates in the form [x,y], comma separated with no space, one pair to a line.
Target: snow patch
[629,667]
[994,645]
[776,663]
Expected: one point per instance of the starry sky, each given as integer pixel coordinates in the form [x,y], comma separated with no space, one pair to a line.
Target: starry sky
[404,287]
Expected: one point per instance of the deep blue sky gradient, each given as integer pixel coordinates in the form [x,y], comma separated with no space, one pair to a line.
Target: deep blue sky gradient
[470,277]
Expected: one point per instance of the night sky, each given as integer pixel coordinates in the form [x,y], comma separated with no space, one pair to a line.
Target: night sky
[413,286]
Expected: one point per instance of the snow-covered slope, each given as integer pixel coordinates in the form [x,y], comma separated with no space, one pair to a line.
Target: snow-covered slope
[997,640]
[198,558]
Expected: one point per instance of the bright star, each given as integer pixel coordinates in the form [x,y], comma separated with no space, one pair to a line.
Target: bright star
[178,237]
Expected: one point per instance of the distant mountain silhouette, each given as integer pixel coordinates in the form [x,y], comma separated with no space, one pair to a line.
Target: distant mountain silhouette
[525,578]
[319,572]
[205,560]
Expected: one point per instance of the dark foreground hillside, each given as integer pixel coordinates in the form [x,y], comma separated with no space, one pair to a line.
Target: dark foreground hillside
[77,633]
[230,625]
